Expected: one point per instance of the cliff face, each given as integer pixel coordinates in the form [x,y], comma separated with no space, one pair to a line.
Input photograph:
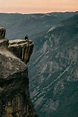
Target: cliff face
[54,87]
[21,48]
[14,83]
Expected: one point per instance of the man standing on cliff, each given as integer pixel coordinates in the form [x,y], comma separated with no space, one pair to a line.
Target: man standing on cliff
[26,37]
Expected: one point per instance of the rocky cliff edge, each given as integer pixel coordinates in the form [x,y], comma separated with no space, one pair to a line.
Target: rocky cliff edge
[14,83]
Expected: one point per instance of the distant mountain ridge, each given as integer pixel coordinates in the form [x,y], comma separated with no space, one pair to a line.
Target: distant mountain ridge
[18,25]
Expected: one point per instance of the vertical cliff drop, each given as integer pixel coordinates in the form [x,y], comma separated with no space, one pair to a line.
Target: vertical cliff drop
[14,83]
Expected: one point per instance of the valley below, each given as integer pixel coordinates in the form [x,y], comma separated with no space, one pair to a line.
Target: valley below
[53,66]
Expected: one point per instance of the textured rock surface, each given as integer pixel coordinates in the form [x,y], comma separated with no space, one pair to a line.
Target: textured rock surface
[2,32]
[4,43]
[14,83]
[21,48]
[14,87]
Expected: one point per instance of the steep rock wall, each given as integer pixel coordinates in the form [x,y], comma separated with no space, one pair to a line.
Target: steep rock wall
[21,48]
[14,84]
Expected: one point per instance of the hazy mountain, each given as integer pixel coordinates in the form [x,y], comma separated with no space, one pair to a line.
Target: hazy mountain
[35,25]
[53,67]
[54,71]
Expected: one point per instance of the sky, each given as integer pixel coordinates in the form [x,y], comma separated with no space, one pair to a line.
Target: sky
[37,6]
